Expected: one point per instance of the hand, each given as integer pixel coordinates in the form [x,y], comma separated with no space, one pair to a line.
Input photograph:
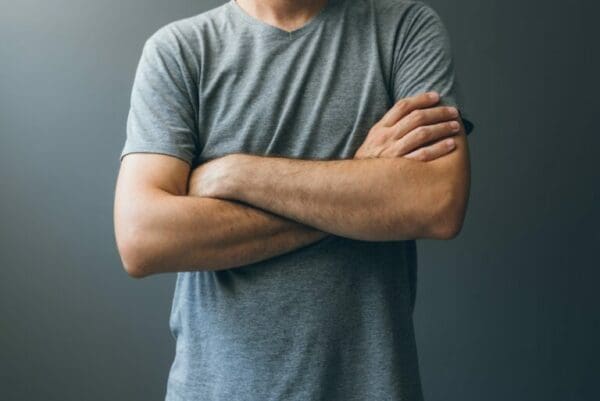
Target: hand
[212,178]
[409,125]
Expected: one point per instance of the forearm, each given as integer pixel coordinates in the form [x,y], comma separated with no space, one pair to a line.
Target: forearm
[187,233]
[370,199]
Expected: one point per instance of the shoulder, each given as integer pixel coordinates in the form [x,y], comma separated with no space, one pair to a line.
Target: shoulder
[180,43]
[413,22]
[404,6]
[405,13]
[185,34]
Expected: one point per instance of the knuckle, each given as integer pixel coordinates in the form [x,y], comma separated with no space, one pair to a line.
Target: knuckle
[417,116]
[423,154]
[402,105]
[399,148]
[374,133]
[451,111]
[423,133]
[452,126]
[385,134]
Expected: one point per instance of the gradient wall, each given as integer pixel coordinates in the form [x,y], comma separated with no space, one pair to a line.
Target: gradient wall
[506,311]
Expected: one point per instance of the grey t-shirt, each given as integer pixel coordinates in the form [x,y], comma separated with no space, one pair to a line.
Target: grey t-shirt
[332,320]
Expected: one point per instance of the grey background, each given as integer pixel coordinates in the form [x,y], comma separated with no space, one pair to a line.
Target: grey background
[508,310]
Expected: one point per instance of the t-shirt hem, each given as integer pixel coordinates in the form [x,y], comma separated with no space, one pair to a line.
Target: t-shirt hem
[158,148]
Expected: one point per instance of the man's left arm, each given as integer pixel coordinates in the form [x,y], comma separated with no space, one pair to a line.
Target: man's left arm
[371,199]
[376,199]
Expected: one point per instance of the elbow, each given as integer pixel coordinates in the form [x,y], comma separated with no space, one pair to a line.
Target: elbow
[133,262]
[447,230]
[134,257]
[448,221]
[132,265]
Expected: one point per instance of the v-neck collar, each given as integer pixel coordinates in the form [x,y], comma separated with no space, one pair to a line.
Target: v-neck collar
[276,32]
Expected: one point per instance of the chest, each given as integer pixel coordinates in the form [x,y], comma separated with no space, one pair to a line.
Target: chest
[312,98]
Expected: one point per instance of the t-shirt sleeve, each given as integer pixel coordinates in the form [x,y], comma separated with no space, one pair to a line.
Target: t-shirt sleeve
[423,60]
[162,116]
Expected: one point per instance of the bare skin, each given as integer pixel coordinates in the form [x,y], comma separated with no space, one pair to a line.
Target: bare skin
[374,199]
[287,15]
[164,236]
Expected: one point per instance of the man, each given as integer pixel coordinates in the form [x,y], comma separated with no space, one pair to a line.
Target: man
[283,157]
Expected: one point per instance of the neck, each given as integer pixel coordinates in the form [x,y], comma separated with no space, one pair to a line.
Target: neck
[284,14]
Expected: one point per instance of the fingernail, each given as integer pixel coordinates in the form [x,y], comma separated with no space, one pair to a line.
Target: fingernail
[450,143]
[433,95]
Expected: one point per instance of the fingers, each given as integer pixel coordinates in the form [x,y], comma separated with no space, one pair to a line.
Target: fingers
[422,117]
[425,134]
[404,106]
[438,149]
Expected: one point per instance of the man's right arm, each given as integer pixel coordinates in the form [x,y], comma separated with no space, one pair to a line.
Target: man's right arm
[159,229]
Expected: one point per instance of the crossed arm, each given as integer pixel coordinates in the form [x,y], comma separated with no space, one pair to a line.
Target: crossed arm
[381,199]
[290,203]
[161,229]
